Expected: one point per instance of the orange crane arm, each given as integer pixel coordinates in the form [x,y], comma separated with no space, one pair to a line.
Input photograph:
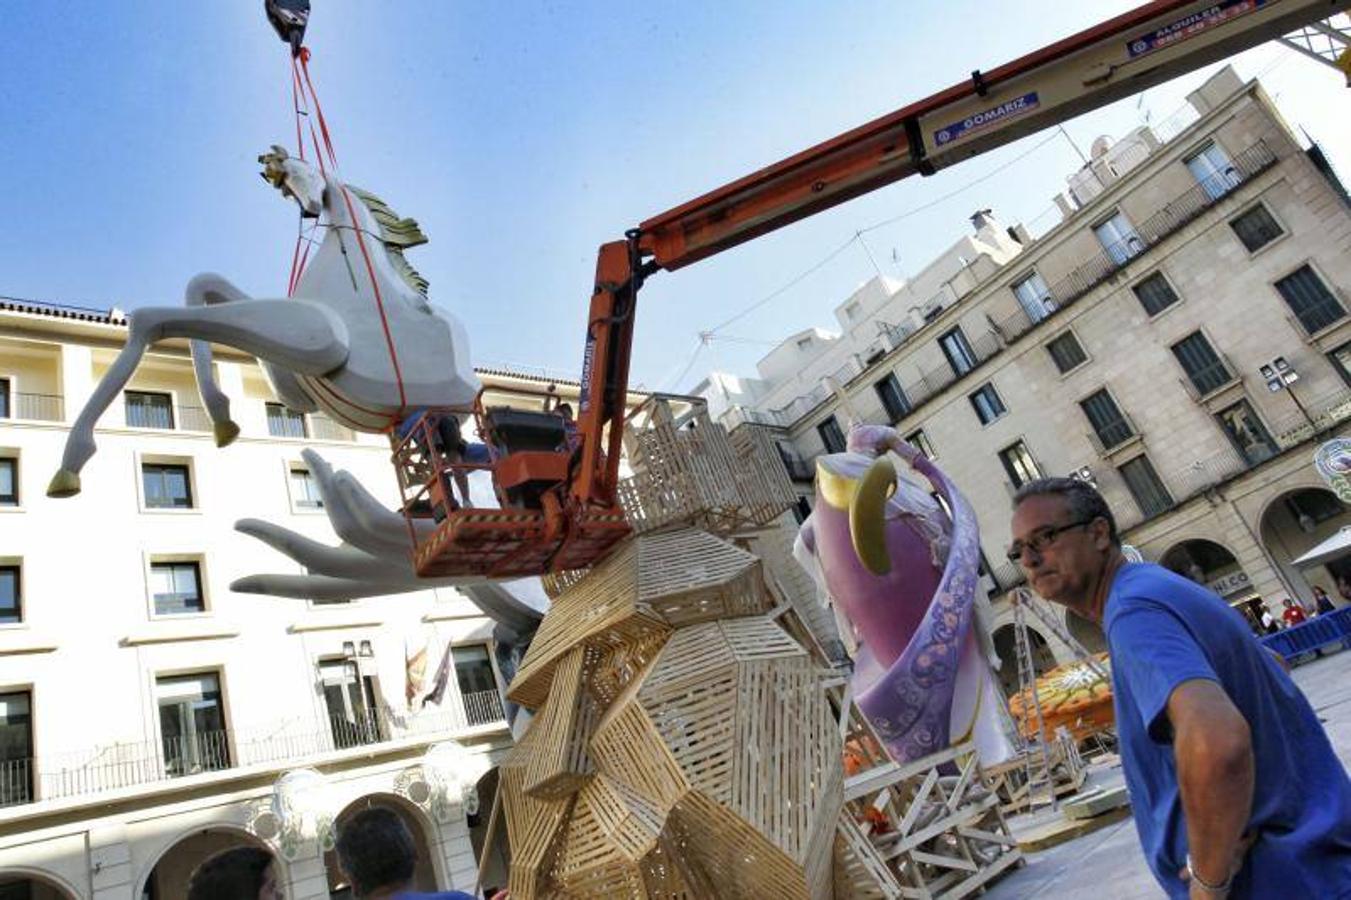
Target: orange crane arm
[1117,58]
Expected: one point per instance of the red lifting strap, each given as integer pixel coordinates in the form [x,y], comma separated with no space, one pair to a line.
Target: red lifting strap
[306,93]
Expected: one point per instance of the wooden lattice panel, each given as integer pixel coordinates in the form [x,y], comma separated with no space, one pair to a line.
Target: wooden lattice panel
[631,823]
[766,490]
[861,872]
[689,471]
[559,763]
[599,611]
[533,825]
[690,576]
[616,668]
[555,583]
[591,865]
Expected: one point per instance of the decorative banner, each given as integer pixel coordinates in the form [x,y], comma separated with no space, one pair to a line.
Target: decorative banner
[1333,462]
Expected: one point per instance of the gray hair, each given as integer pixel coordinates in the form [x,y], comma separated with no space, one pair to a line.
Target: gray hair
[1083,499]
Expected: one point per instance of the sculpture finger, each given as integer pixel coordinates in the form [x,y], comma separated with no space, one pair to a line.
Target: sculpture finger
[344,561]
[349,509]
[315,587]
[502,607]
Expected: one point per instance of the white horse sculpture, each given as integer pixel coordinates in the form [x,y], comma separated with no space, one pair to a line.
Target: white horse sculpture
[358,338]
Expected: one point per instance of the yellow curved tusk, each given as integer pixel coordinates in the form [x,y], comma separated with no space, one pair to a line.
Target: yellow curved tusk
[867,516]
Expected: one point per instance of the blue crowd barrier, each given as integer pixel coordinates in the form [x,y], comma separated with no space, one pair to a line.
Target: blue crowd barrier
[1316,633]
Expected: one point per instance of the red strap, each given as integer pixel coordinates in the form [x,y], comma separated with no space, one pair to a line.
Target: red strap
[308,92]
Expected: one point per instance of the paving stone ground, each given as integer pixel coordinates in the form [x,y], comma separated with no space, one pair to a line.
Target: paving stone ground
[1108,864]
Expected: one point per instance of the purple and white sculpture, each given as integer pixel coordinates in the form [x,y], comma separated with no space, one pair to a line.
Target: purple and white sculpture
[904,576]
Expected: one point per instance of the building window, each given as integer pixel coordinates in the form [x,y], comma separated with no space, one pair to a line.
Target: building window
[285,422]
[893,399]
[1111,427]
[478,685]
[1144,484]
[831,435]
[353,715]
[1246,433]
[1118,239]
[1309,299]
[192,724]
[11,603]
[1213,171]
[16,748]
[146,409]
[1034,297]
[920,441]
[987,404]
[1256,228]
[958,351]
[166,486]
[176,588]
[4,398]
[9,481]
[1066,352]
[305,489]
[1309,507]
[1155,294]
[1341,361]
[1201,363]
[1020,465]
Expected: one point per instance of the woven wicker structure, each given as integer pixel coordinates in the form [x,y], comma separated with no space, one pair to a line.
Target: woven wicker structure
[689,471]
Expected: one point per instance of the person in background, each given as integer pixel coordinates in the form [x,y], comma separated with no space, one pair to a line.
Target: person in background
[376,853]
[1322,602]
[1268,620]
[1201,709]
[1294,613]
[243,873]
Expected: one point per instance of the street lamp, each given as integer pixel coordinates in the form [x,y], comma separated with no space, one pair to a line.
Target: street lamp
[1280,375]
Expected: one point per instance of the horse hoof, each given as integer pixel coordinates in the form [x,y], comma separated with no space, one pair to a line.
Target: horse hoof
[65,483]
[225,432]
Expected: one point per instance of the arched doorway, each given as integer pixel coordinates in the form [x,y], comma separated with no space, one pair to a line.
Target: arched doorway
[30,886]
[1296,522]
[495,870]
[424,874]
[1006,645]
[168,880]
[1210,564]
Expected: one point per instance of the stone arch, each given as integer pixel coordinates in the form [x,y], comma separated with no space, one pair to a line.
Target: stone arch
[1209,563]
[495,871]
[43,885]
[1043,660]
[427,873]
[1294,521]
[167,875]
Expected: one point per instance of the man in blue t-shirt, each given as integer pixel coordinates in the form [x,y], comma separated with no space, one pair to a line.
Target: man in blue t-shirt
[1201,707]
[376,852]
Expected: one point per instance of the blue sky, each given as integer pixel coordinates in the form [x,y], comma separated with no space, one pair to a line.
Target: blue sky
[522,136]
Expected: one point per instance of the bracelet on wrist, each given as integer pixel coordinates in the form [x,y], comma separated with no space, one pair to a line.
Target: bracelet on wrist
[1221,888]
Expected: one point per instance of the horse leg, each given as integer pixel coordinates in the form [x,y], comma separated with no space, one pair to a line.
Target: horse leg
[288,388]
[296,334]
[204,290]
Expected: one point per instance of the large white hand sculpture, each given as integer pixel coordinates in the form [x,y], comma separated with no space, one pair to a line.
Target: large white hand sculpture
[374,557]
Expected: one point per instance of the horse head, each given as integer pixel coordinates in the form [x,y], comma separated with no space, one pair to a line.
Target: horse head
[295,178]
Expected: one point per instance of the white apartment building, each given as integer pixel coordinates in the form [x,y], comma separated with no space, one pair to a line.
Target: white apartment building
[146,711]
[1136,344]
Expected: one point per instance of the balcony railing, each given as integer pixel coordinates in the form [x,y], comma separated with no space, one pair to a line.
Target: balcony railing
[1174,215]
[1203,474]
[34,407]
[128,765]
[931,383]
[1320,415]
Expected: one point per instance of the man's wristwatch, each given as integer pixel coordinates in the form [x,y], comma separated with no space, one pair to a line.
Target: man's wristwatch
[1221,889]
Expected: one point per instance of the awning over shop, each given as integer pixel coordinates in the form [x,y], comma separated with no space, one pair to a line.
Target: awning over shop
[1329,549]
